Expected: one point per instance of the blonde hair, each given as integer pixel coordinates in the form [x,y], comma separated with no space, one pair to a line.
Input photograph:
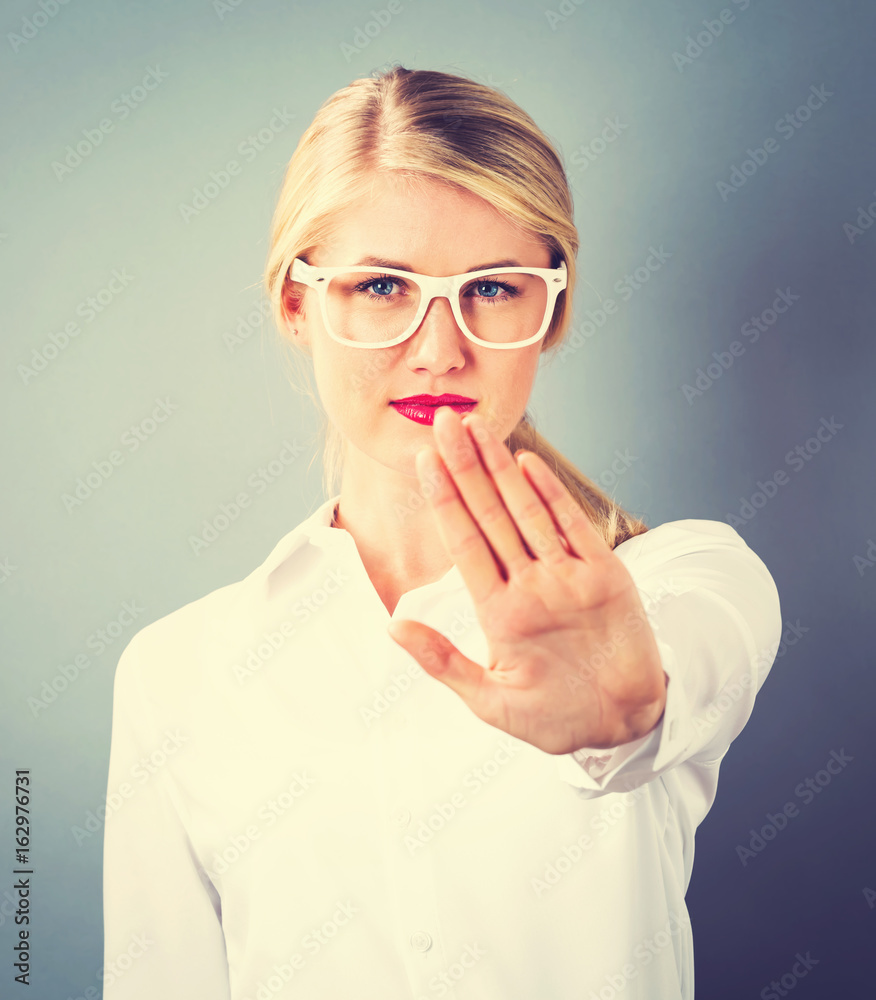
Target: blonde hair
[426,124]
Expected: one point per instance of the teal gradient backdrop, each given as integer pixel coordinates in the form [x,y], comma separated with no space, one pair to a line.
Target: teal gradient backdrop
[149,246]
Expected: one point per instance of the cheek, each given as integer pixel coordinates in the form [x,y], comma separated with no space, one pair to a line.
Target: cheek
[508,390]
[331,377]
[350,382]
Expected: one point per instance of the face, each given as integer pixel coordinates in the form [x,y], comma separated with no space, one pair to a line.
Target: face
[440,230]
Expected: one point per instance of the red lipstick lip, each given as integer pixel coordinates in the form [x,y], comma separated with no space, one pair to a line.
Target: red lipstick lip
[422,409]
[444,400]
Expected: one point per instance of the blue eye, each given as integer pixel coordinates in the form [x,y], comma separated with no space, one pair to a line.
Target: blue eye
[382,280]
[496,290]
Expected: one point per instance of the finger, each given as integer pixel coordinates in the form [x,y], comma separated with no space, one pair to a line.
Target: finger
[437,655]
[526,508]
[483,690]
[581,533]
[463,541]
[478,491]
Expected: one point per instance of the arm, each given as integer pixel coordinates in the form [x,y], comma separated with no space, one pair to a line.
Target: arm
[162,917]
[715,613]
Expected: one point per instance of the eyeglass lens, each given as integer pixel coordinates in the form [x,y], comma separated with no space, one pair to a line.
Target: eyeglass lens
[372,307]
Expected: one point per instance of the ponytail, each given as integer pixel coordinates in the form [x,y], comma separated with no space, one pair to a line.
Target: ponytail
[611,520]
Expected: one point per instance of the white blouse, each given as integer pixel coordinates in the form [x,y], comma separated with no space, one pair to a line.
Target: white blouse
[296,809]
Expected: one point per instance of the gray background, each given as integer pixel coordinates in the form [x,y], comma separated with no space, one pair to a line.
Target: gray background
[194,281]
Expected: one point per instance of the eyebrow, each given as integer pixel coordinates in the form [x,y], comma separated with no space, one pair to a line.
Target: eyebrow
[402,266]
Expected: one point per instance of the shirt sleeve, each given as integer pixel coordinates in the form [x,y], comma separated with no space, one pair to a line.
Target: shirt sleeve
[162,916]
[714,609]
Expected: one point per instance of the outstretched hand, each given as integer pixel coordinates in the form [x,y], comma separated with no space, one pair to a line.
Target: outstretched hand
[572,658]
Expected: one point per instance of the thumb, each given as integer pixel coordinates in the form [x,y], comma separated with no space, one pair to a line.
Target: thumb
[437,655]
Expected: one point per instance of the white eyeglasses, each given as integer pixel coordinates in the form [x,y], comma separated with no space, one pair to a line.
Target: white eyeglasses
[515,311]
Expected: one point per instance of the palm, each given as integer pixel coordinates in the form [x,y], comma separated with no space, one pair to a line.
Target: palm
[573,661]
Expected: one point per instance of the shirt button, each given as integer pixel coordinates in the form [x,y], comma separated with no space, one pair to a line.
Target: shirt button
[420,941]
[402,817]
[672,729]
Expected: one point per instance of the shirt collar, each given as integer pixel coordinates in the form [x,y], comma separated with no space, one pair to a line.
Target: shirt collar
[316,530]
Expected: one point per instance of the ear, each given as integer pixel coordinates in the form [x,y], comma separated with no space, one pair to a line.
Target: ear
[295,325]
[292,299]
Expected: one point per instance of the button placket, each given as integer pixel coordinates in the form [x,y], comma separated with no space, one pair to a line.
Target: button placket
[402,818]
[421,941]
[412,870]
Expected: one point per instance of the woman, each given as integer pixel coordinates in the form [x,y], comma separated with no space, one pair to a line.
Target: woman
[454,736]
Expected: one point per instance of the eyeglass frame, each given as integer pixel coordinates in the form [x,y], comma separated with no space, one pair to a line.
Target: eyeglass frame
[432,287]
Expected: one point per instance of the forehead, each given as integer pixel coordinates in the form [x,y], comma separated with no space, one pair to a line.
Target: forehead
[428,223]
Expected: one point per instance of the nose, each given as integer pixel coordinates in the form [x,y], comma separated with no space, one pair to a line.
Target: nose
[437,344]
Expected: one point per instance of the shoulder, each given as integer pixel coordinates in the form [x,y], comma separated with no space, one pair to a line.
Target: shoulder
[697,553]
[173,657]
[676,539]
